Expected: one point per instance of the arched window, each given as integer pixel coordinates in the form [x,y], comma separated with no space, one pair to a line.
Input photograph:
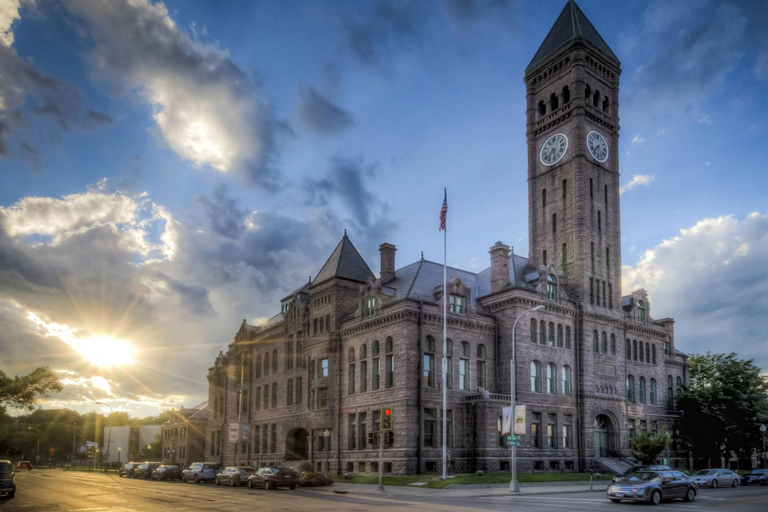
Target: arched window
[369,306]
[376,365]
[536,377]
[351,355]
[363,368]
[566,95]
[568,336]
[670,393]
[216,407]
[653,391]
[595,341]
[634,350]
[567,380]
[258,366]
[389,363]
[596,98]
[429,362]
[350,371]
[551,334]
[551,288]
[629,350]
[605,343]
[552,379]
[587,93]
[274,361]
[642,356]
[553,102]
[376,348]
[560,335]
[542,108]
[653,353]
[647,352]
[640,312]
[449,361]
[613,344]
[606,104]
[266,364]
[543,332]
[464,367]
[533,331]
[481,370]
[642,389]
[678,385]
[364,351]
[631,389]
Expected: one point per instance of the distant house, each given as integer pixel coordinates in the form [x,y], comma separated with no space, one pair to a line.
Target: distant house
[125,443]
[184,435]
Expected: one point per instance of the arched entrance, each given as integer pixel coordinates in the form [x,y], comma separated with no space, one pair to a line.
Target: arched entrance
[296,445]
[604,436]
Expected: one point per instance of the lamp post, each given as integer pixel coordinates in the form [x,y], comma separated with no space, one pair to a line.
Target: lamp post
[327,438]
[513,485]
[762,455]
[119,451]
[111,412]
[37,457]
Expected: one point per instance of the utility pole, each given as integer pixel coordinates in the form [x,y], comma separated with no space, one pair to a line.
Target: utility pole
[74,431]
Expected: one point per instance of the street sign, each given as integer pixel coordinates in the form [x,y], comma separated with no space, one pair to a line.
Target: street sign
[513,438]
[513,443]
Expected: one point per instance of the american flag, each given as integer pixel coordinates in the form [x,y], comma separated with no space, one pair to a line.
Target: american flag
[443,211]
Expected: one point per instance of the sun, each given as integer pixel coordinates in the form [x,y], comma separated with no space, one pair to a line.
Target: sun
[105,351]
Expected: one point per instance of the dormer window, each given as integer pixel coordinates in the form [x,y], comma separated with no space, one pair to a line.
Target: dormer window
[369,306]
[458,304]
[640,312]
[284,307]
[551,288]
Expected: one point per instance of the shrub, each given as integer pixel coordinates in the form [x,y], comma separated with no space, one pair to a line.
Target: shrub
[308,479]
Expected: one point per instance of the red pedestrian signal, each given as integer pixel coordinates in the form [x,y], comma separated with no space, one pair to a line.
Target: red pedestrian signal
[387,415]
[52,450]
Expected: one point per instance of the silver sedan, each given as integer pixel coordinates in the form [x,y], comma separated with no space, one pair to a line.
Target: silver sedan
[717,478]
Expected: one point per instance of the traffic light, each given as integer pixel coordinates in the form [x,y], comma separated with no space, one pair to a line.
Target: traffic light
[373,438]
[52,450]
[389,439]
[386,418]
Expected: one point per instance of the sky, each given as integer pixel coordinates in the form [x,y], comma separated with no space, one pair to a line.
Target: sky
[168,169]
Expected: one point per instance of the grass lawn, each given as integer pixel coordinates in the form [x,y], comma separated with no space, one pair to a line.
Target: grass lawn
[436,482]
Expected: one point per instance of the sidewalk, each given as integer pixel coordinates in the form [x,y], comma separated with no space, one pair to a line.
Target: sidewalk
[467,490]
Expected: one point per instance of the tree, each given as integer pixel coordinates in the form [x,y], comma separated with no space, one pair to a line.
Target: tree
[723,406]
[154,450]
[646,447]
[23,392]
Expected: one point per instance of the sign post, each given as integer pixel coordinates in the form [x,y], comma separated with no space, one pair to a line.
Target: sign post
[386,417]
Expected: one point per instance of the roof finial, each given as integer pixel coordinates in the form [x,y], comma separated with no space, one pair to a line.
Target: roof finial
[345,232]
[422,255]
[310,279]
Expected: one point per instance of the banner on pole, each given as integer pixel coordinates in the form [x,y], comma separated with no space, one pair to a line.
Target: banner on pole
[245,433]
[507,421]
[233,430]
[519,419]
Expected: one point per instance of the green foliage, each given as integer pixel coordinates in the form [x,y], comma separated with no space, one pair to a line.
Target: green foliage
[23,392]
[646,447]
[155,449]
[724,405]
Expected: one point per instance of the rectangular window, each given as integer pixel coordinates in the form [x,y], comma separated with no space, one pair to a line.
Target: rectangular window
[590,187]
[352,432]
[599,221]
[322,370]
[598,291]
[610,296]
[552,431]
[543,198]
[299,354]
[376,373]
[266,396]
[351,379]
[554,223]
[667,348]
[244,404]
[481,374]
[314,326]
[369,306]
[256,439]
[363,376]
[544,257]
[592,255]
[608,259]
[565,189]
[299,390]
[536,430]
[591,290]
[389,368]
[430,428]
[328,322]
[566,431]
[565,254]
[289,392]
[604,294]
[457,304]
[464,374]
[362,434]
[274,394]
[322,324]
[449,372]
[265,439]
[289,356]
[429,370]
[273,438]
[322,398]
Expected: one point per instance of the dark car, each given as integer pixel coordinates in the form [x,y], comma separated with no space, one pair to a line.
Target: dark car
[272,478]
[167,472]
[128,469]
[653,487]
[24,464]
[7,479]
[200,472]
[756,476]
[635,469]
[145,469]
[233,476]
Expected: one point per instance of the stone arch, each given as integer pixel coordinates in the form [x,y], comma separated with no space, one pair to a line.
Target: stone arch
[606,434]
[297,444]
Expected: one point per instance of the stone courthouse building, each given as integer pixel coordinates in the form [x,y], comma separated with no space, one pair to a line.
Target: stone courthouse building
[593,367]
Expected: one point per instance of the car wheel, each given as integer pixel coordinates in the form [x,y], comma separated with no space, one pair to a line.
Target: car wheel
[197,479]
[250,484]
[714,483]
[690,495]
[268,485]
[656,497]
[293,487]
[11,495]
[735,483]
[615,500]
[183,479]
[218,482]
[231,482]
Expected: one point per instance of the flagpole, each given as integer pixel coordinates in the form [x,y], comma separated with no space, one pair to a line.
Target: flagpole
[445,344]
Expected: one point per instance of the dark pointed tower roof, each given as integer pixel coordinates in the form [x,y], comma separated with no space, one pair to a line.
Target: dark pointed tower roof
[346,263]
[570,26]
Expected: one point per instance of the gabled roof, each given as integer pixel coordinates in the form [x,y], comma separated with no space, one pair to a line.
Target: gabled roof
[345,263]
[303,289]
[570,26]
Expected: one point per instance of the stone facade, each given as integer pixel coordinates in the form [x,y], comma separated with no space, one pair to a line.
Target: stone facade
[592,367]
[183,436]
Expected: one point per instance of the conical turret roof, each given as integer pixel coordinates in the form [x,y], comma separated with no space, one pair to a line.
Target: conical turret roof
[345,263]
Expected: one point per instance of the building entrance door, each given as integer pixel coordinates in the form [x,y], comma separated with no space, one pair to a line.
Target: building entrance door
[297,445]
[602,435]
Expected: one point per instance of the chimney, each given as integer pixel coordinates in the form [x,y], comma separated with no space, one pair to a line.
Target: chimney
[387,252]
[499,266]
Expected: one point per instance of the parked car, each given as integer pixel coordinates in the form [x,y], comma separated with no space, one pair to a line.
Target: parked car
[653,487]
[128,469]
[200,472]
[145,469]
[233,476]
[24,464]
[7,479]
[635,469]
[715,478]
[167,472]
[756,476]
[272,478]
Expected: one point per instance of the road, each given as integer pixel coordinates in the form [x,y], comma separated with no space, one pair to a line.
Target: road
[56,490]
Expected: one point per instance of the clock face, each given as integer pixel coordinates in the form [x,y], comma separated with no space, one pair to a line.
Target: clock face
[554,149]
[598,148]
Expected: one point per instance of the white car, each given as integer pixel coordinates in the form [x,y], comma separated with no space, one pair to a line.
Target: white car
[716,478]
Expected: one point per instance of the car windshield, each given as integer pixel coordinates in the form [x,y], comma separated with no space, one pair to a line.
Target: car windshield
[210,466]
[643,476]
[247,470]
[706,472]
[759,471]
[5,467]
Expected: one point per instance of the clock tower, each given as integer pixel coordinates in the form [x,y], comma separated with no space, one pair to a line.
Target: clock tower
[572,91]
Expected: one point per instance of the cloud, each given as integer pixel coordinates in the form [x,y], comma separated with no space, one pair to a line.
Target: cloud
[469,12]
[636,181]
[9,13]
[319,114]
[711,279]
[207,109]
[639,140]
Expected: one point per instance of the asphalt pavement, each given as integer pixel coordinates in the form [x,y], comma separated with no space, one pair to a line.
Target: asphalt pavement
[57,490]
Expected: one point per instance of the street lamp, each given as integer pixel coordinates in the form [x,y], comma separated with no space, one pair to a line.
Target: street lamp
[119,450]
[111,412]
[37,457]
[327,437]
[513,485]
[762,455]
